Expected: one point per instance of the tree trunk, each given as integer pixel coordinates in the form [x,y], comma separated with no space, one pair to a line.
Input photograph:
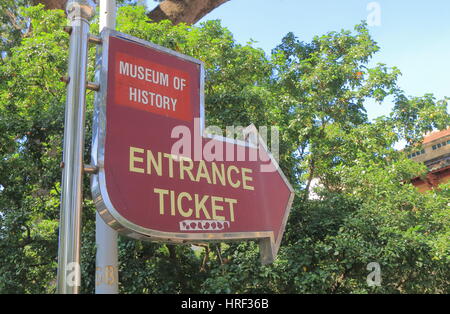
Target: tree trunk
[183,11]
[178,11]
[52,4]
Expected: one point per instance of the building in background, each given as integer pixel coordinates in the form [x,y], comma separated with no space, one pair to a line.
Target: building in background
[435,154]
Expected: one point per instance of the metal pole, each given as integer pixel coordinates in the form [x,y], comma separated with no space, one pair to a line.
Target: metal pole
[107,278]
[68,277]
[107,14]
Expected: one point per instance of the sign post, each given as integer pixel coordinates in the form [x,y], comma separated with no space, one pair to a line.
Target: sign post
[68,277]
[160,176]
[106,259]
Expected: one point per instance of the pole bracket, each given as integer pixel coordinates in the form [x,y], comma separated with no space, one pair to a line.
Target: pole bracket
[93,86]
[90,169]
[68,29]
[65,79]
[94,39]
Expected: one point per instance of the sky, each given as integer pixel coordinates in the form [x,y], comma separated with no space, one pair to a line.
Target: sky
[413,35]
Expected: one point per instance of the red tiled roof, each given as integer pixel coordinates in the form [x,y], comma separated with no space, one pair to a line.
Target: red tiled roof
[435,135]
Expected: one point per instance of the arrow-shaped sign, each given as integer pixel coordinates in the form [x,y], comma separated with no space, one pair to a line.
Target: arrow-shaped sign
[160,177]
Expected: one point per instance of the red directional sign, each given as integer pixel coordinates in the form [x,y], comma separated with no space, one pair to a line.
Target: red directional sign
[160,177]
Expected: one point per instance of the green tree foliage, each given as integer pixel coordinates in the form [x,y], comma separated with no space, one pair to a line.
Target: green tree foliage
[366,211]
[13,25]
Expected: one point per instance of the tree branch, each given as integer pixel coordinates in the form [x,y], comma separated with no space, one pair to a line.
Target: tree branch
[13,19]
[172,252]
[312,167]
[177,11]
[183,11]
[205,259]
[219,253]
[52,4]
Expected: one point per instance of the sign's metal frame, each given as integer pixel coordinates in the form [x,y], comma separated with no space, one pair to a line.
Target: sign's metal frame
[268,246]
